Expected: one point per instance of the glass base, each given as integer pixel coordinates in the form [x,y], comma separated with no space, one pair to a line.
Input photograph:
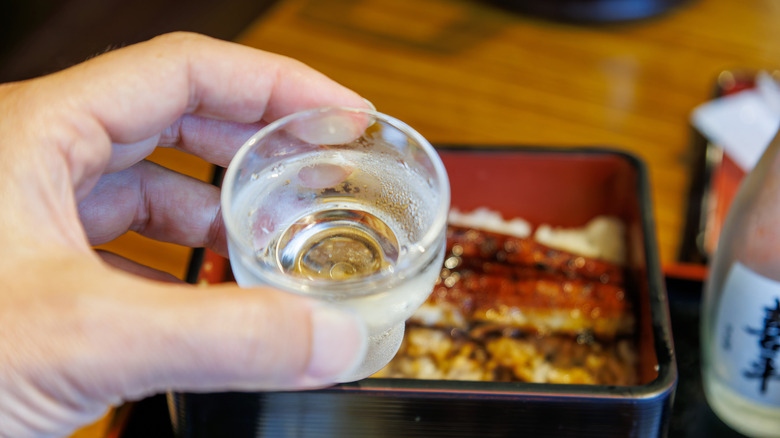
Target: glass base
[381,350]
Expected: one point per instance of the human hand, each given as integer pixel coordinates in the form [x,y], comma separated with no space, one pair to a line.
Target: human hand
[78,335]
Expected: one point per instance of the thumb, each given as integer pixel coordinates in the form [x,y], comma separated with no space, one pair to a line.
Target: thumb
[228,338]
[90,336]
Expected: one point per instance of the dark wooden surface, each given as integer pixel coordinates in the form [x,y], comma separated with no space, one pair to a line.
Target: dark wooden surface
[471,72]
[41,36]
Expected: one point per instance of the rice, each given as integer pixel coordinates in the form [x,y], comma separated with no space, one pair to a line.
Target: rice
[603,237]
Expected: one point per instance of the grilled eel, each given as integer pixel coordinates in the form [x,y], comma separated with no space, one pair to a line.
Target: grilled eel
[517,283]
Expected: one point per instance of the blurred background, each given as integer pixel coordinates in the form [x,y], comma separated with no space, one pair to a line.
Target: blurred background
[42,36]
[623,74]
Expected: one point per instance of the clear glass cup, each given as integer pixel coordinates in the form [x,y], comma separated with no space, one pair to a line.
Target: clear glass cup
[343,205]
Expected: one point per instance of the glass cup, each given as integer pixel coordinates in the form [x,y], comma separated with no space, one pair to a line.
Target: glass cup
[343,205]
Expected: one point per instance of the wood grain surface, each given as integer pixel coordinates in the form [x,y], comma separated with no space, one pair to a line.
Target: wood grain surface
[470,72]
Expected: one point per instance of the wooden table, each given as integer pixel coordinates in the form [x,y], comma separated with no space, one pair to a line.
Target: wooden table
[468,72]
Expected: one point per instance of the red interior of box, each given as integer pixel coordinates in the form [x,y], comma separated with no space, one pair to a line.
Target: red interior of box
[567,190]
[560,189]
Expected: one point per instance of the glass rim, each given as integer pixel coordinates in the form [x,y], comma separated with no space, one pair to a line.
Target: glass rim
[350,288]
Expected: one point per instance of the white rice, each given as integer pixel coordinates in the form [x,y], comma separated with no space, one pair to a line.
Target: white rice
[489,220]
[603,237]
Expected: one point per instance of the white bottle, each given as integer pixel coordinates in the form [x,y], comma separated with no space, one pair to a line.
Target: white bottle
[740,329]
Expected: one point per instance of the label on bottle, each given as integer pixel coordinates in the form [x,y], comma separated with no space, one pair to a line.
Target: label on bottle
[747,340]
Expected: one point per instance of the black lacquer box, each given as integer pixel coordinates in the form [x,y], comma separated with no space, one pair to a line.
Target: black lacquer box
[560,186]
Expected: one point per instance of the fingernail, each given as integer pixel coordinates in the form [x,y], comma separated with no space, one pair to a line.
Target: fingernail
[331,128]
[339,343]
[371,106]
[323,175]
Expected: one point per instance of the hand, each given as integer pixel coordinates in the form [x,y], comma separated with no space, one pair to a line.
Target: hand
[77,334]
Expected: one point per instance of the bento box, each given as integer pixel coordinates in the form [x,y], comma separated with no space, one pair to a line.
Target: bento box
[550,188]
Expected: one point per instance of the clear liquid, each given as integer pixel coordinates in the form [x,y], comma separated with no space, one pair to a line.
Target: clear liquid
[347,244]
[337,245]
[358,228]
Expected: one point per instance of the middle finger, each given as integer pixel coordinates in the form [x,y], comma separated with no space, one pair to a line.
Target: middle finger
[156,202]
[216,141]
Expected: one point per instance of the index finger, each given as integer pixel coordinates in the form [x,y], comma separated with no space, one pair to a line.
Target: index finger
[137,92]
[188,73]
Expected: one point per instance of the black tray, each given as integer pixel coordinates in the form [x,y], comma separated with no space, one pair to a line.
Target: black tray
[691,416]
